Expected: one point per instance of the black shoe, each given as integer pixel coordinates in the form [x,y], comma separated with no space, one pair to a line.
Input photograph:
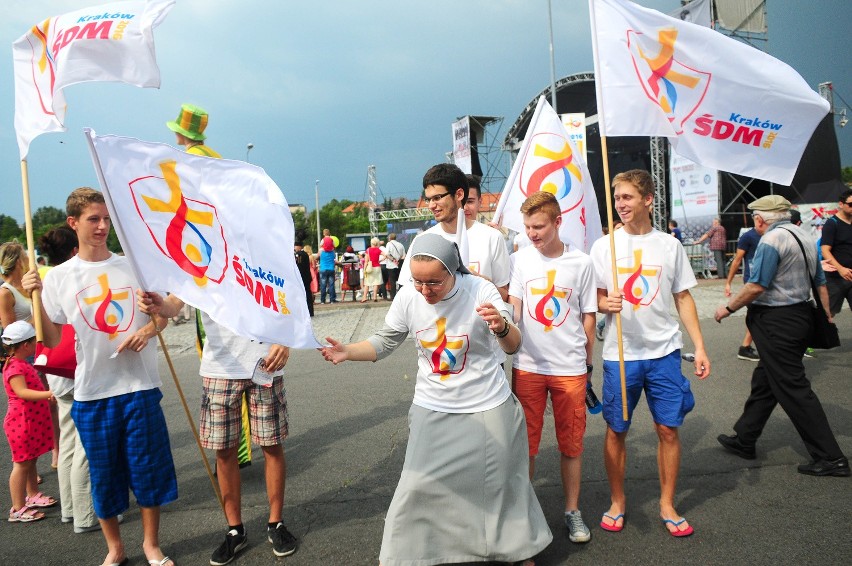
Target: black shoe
[748,354]
[838,467]
[735,445]
[283,543]
[234,542]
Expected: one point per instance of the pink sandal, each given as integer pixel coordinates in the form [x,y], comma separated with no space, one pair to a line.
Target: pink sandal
[25,515]
[40,500]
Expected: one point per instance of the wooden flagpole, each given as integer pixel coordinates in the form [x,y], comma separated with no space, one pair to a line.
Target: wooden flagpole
[28,223]
[189,418]
[608,191]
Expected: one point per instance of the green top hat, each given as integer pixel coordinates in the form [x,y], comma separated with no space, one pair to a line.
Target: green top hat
[191,122]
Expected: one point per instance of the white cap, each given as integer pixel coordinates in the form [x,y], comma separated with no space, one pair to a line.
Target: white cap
[17,332]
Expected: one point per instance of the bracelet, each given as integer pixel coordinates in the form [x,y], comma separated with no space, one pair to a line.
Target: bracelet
[505,331]
[729,309]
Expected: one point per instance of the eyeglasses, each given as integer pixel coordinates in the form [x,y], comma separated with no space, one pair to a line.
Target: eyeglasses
[431,285]
[848,203]
[435,198]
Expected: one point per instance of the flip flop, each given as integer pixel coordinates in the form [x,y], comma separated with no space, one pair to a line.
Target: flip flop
[124,561]
[162,562]
[677,532]
[613,528]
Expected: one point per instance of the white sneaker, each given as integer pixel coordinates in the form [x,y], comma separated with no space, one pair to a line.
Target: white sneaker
[577,529]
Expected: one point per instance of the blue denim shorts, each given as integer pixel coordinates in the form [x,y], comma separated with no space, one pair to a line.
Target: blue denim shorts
[666,389]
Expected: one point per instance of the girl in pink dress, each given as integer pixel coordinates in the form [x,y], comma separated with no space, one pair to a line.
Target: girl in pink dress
[27,425]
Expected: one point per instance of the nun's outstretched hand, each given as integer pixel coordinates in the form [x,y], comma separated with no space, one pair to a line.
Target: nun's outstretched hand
[336,353]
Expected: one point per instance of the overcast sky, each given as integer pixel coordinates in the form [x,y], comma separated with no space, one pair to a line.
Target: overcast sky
[324,89]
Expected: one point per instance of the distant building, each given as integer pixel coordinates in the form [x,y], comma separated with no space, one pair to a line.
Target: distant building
[294,208]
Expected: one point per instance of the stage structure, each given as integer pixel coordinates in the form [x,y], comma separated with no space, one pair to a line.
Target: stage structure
[479,135]
[406,222]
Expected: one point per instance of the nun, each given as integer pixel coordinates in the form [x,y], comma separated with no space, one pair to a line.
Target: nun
[464,494]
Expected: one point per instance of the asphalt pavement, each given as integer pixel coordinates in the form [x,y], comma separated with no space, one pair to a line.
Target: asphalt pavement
[348,432]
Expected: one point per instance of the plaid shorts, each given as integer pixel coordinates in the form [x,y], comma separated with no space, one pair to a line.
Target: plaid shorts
[127,444]
[221,414]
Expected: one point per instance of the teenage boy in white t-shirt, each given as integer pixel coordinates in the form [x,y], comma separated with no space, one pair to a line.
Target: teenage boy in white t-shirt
[116,388]
[445,190]
[554,297]
[653,272]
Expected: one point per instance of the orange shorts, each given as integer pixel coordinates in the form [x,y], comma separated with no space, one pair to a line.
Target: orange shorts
[568,395]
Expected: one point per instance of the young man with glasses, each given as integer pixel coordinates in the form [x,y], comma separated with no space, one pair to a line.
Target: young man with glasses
[445,190]
[836,247]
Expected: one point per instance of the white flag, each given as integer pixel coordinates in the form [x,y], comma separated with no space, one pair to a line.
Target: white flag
[549,161]
[720,102]
[217,233]
[110,42]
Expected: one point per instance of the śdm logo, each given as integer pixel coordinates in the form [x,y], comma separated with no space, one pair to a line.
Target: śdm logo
[448,356]
[642,283]
[547,303]
[43,65]
[552,167]
[187,231]
[45,56]
[676,88]
[104,309]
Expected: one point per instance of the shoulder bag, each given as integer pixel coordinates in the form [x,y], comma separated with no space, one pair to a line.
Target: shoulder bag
[824,335]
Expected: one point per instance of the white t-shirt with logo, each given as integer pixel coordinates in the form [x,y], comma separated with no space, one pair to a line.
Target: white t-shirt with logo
[99,300]
[486,250]
[555,293]
[227,355]
[651,267]
[459,362]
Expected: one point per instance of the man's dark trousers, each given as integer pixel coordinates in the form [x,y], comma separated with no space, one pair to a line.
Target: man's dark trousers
[780,334]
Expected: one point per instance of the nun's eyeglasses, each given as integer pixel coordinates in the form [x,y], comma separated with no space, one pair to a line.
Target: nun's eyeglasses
[431,285]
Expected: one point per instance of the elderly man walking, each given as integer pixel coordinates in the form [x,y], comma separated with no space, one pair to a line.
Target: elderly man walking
[779,319]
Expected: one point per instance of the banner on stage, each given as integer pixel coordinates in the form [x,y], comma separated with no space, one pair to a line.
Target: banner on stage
[695,195]
[109,42]
[461,145]
[696,12]
[575,125]
[215,232]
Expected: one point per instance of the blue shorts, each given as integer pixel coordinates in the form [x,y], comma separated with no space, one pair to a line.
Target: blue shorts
[666,389]
[127,444]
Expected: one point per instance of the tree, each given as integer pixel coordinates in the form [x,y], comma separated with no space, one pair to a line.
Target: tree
[48,216]
[9,229]
[846,175]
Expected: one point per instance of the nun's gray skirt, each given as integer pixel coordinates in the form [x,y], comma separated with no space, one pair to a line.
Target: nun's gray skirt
[464,494]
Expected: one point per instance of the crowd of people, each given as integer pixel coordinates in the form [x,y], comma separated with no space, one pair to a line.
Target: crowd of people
[372,273]
[465,315]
